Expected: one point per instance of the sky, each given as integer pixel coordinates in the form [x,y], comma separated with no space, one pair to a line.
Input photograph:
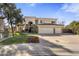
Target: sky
[66,12]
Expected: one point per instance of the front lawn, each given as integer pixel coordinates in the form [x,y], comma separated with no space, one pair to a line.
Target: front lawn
[18,39]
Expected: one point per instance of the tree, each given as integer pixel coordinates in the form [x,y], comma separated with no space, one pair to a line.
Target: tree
[74,27]
[19,17]
[11,13]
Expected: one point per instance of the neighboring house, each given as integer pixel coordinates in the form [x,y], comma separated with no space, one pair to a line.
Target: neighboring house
[45,25]
[1,27]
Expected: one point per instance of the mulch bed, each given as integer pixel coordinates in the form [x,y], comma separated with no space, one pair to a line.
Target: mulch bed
[33,39]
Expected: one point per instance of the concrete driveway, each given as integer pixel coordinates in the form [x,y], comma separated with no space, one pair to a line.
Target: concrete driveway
[63,44]
[48,46]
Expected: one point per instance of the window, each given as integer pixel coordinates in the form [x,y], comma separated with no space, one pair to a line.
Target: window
[53,22]
[40,21]
[36,21]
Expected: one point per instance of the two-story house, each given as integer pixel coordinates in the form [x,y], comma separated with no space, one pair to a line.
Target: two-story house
[45,25]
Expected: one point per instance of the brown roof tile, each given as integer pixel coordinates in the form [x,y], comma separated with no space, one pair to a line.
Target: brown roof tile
[51,24]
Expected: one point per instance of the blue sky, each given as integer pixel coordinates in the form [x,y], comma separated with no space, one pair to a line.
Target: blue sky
[62,11]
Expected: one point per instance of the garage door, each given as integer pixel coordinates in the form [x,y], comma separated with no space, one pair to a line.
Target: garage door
[46,31]
[58,30]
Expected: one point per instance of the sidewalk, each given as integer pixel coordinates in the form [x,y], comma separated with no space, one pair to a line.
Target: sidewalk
[4,38]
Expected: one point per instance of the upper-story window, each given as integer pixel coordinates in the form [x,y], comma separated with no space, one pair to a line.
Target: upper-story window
[41,22]
[36,21]
[53,22]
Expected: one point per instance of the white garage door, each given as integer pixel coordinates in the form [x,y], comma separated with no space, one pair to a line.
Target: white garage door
[46,31]
[58,30]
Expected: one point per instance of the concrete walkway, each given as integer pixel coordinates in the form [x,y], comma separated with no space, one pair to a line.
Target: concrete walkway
[48,46]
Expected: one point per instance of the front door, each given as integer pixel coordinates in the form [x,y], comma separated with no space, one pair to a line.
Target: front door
[53,30]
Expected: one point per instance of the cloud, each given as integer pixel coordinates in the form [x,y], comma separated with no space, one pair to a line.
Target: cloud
[65,6]
[73,8]
[32,4]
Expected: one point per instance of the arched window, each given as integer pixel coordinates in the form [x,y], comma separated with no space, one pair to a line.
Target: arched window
[30,22]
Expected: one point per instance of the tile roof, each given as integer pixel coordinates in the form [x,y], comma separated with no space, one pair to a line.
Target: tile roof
[51,24]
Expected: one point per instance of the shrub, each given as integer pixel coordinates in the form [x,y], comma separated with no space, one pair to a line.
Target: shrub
[77,32]
[74,27]
[67,31]
[17,34]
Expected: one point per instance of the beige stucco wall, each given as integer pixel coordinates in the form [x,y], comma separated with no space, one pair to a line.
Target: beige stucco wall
[27,19]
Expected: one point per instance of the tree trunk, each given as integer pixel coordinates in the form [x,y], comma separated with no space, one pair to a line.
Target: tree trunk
[12,29]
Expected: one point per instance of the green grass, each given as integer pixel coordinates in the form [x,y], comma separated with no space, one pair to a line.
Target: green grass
[16,40]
